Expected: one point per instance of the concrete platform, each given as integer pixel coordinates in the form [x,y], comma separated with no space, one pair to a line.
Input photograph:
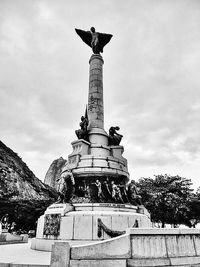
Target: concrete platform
[21,255]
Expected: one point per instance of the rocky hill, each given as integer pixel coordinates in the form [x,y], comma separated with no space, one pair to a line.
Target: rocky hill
[22,195]
[54,172]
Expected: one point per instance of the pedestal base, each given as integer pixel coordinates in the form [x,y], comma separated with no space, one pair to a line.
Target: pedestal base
[81,225]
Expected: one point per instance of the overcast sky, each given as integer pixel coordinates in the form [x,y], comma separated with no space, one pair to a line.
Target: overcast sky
[151,80]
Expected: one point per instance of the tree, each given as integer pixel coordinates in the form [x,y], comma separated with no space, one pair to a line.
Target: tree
[194,208]
[166,197]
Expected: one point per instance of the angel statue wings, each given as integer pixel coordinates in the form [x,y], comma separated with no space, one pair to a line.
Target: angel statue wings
[95,40]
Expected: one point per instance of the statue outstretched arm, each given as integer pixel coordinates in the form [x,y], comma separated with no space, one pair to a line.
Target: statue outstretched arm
[104,38]
[85,36]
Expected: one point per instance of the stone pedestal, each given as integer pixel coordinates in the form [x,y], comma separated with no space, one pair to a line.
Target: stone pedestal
[117,151]
[60,208]
[80,147]
[79,222]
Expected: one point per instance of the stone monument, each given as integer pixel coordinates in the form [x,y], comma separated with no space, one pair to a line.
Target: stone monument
[98,203]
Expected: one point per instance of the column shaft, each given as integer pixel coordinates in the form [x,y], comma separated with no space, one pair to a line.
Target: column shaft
[95,96]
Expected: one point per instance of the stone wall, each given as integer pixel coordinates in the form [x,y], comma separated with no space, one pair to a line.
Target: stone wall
[138,247]
[7,238]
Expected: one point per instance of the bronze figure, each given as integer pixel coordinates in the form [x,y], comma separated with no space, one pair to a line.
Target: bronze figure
[95,40]
[114,138]
[82,133]
[66,184]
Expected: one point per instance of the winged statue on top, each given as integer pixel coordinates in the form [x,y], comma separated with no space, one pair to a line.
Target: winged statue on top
[95,40]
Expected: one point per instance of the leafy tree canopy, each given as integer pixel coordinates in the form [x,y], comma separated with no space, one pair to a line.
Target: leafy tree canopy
[166,197]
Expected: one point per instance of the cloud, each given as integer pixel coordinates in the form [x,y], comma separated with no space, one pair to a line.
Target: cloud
[151,79]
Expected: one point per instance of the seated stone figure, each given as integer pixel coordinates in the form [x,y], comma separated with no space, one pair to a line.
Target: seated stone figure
[114,138]
[83,132]
[134,197]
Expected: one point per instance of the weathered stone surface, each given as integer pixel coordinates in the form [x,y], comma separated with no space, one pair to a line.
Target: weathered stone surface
[148,262]
[7,238]
[148,247]
[120,222]
[97,263]
[197,244]
[165,243]
[95,108]
[118,247]
[54,172]
[186,245]
[26,265]
[10,237]
[40,226]
[60,255]
[59,208]
[185,261]
[163,231]
[66,228]
[42,244]
[83,227]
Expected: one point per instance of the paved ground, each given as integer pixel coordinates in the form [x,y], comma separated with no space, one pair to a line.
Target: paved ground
[23,255]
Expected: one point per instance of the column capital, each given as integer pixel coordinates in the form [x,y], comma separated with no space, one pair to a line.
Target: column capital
[96,56]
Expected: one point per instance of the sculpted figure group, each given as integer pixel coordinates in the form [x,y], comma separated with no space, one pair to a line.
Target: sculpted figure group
[106,191]
[114,138]
[109,191]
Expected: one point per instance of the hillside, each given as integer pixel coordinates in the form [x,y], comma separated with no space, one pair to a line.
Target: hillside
[54,172]
[22,195]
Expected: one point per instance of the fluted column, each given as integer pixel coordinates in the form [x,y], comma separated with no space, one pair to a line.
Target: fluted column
[95,96]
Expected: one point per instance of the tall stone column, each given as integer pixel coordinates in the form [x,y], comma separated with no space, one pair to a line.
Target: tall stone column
[95,96]
[97,134]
